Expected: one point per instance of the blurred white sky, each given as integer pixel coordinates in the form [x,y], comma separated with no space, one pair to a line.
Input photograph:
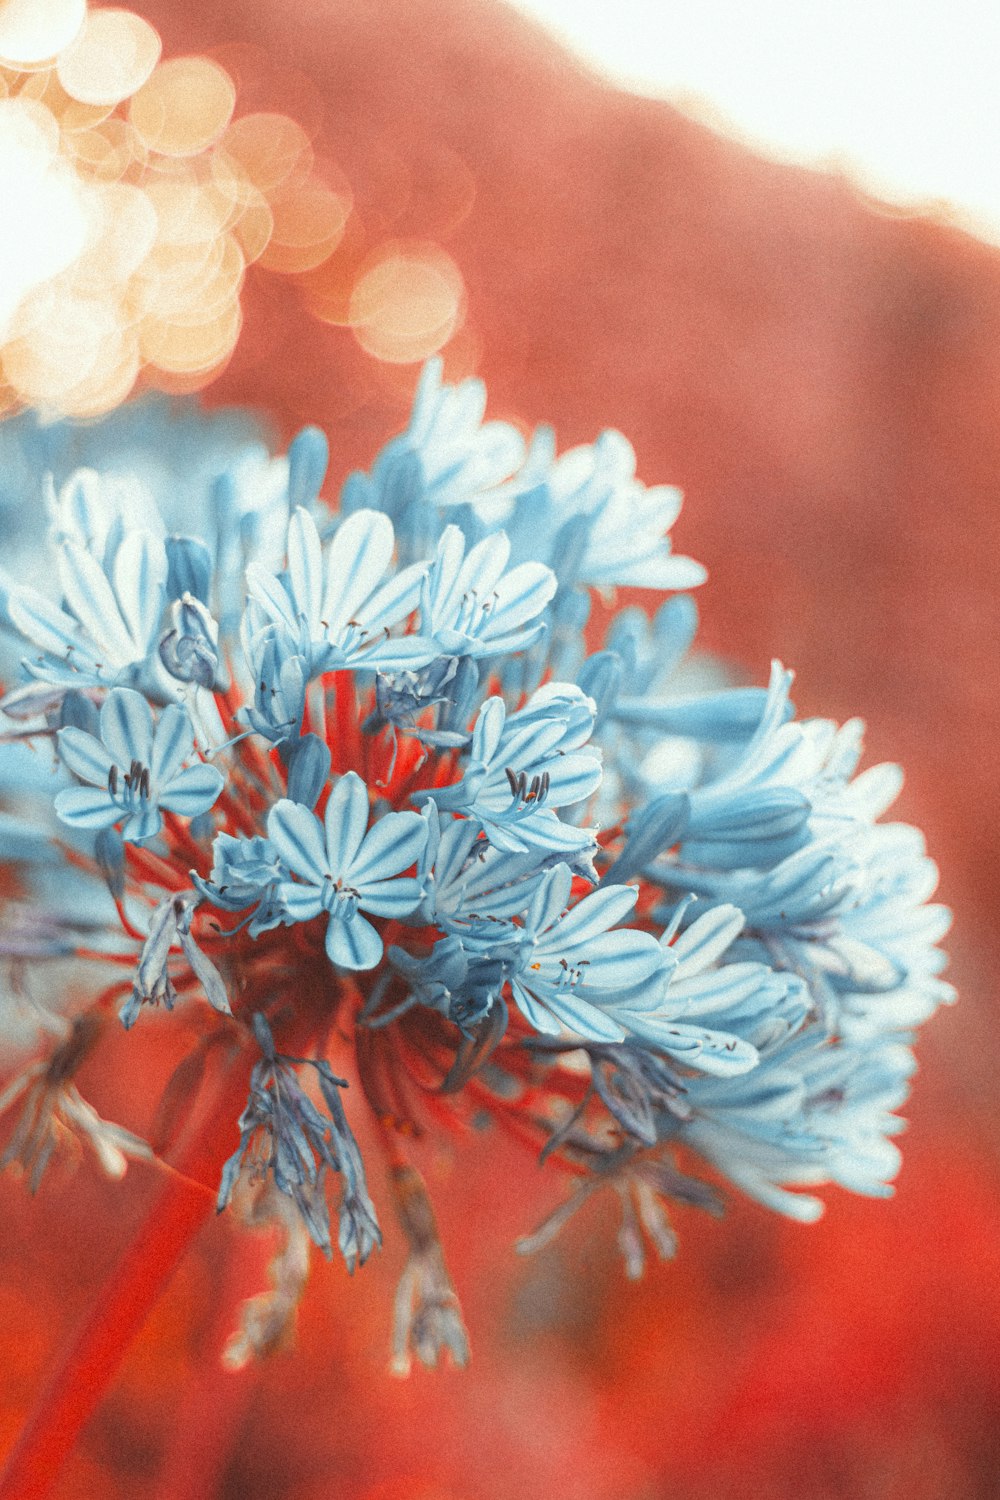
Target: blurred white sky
[903,94]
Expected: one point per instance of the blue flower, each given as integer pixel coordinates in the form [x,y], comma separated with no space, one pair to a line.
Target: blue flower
[280,677]
[345,868]
[282,1133]
[622,524]
[170,925]
[574,971]
[112,577]
[473,607]
[245,872]
[447,457]
[190,651]
[337,603]
[524,767]
[134,770]
[656,914]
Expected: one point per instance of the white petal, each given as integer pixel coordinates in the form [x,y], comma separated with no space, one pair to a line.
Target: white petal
[140,578]
[708,938]
[91,598]
[192,791]
[85,756]
[127,726]
[297,835]
[346,822]
[394,843]
[357,560]
[172,743]
[305,567]
[86,807]
[353,944]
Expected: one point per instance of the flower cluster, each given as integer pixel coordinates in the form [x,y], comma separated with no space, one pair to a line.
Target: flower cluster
[351,775]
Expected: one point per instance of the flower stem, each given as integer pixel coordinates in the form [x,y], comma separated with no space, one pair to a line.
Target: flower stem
[91,1360]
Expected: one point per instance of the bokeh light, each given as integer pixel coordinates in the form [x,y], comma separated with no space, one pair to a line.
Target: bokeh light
[406,303]
[32,31]
[140,190]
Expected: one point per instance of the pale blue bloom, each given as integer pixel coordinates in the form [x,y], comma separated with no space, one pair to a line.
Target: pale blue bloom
[134,769]
[245,872]
[112,583]
[574,970]
[524,767]
[622,525]
[336,602]
[280,676]
[815,1112]
[473,606]
[170,926]
[190,650]
[447,457]
[344,868]
[570,807]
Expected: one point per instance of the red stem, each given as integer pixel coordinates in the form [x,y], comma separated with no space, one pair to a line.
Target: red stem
[347,747]
[93,1356]
[215,1402]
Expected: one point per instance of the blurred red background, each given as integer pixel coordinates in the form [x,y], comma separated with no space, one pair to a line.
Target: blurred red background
[821,377]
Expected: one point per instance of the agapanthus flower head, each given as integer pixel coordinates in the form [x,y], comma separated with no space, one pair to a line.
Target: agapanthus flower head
[364,787]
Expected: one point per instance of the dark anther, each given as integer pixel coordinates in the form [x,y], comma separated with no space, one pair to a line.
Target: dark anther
[144,782]
[511,780]
[113,781]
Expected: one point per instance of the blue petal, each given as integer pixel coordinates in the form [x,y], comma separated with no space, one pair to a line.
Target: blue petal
[520,596]
[305,568]
[42,622]
[353,944]
[140,577]
[308,769]
[716,1052]
[394,844]
[346,821]
[142,824]
[301,902]
[398,653]
[91,598]
[396,897]
[308,456]
[357,560]
[617,960]
[193,790]
[189,567]
[85,756]
[550,900]
[297,835]
[489,728]
[708,938]
[396,599]
[127,726]
[533,1010]
[173,742]
[582,1018]
[267,591]
[86,807]
[596,913]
